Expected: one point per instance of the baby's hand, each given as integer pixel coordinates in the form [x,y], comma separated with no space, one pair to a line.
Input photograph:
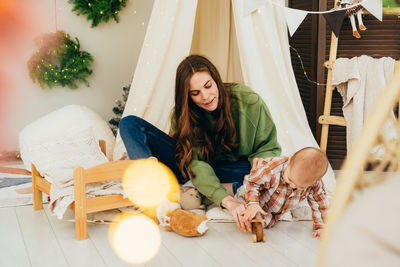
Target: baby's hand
[250,213]
[257,163]
[317,233]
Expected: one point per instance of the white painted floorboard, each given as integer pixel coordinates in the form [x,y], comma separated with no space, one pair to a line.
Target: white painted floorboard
[290,247]
[35,238]
[12,247]
[186,250]
[262,253]
[40,241]
[83,253]
[164,257]
[301,232]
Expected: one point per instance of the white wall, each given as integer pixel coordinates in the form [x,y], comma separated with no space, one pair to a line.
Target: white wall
[114,46]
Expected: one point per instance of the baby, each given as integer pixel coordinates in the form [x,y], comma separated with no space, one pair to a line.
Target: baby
[277,184]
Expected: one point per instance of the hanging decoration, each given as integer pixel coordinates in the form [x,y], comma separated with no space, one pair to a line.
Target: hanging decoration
[294,17]
[335,20]
[374,7]
[350,13]
[118,109]
[334,17]
[59,61]
[98,10]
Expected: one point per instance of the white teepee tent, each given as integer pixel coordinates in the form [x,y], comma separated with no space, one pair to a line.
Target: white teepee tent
[248,48]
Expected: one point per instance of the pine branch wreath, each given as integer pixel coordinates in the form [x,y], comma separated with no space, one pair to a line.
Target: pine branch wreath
[59,61]
[98,10]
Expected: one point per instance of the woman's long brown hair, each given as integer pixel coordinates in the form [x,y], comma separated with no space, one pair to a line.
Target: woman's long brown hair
[191,130]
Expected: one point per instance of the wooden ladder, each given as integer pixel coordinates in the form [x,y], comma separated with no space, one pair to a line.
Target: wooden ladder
[326,118]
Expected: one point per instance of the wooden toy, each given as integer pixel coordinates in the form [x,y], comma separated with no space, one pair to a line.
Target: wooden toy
[257,230]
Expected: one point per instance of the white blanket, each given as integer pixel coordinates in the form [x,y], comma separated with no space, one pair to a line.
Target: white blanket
[62,197]
[360,81]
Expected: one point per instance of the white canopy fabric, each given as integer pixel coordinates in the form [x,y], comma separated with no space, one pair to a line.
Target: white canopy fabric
[167,42]
[249,48]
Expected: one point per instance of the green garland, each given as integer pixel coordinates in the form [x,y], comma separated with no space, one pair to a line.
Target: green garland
[98,10]
[59,62]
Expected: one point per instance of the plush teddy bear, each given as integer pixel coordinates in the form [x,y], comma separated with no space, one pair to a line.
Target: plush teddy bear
[190,198]
[186,223]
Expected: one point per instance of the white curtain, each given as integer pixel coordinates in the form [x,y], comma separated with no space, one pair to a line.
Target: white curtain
[266,66]
[215,37]
[168,40]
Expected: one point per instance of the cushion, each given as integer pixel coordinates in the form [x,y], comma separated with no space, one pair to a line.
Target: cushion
[60,125]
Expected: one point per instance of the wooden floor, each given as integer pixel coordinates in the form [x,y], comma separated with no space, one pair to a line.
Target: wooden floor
[34,238]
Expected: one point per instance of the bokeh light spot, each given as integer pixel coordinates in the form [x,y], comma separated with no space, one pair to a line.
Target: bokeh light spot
[135,238]
[149,182]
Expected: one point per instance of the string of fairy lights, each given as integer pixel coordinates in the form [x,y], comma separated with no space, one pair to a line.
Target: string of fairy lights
[304,69]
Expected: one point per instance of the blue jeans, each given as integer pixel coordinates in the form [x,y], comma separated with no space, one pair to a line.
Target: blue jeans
[143,140]
[232,172]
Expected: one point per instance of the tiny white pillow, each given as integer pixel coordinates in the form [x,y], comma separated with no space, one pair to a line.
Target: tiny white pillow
[62,124]
[56,159]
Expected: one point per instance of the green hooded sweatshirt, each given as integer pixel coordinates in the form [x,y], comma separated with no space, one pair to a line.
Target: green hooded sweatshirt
[256,138]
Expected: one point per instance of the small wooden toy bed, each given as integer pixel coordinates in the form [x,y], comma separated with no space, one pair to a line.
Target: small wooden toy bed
[82,205]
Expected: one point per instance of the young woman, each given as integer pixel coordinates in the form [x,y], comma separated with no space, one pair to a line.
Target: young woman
[218,130]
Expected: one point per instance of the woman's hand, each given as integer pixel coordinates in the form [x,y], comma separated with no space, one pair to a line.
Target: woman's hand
[235,208]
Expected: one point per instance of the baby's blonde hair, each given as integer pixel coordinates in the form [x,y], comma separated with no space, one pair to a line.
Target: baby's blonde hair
[311,162]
